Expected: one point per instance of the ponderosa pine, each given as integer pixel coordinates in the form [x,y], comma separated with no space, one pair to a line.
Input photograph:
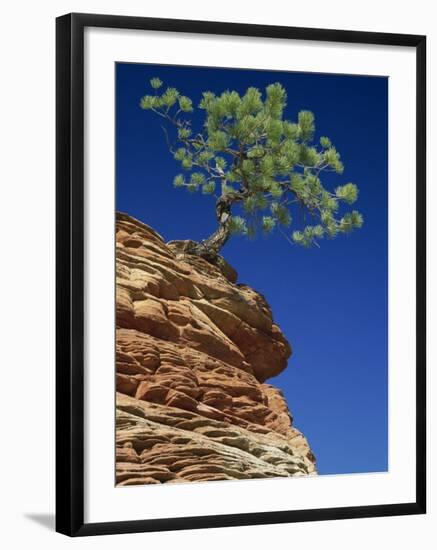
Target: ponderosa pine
[263,170]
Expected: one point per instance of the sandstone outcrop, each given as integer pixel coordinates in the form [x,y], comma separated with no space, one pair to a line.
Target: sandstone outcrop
[193,353]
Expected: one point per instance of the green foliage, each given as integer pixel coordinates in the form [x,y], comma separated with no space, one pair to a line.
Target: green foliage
[348,193]
[218,140]
[197,178]
[187,162]
[179,181]
[237,225]
[351,220]
[185,104]
[325,142]
[306,125]
[169,97]
[208,188]
[331,158]
[267,167]
[184,133]
[156,83]
[148,102]
[281,213]
[308,236]
[268,224]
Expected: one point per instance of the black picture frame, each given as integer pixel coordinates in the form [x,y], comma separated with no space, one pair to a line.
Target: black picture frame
[70,273]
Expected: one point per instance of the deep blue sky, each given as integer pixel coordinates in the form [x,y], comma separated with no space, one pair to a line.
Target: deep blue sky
[331,303]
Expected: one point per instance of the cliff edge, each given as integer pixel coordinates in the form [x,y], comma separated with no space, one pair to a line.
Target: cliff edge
[194,351]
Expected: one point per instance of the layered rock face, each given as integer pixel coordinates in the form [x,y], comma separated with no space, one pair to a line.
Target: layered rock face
[194,351]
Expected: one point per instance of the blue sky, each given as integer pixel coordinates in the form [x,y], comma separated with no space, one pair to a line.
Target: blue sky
[331,303]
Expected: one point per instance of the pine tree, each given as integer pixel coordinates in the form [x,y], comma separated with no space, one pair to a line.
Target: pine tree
[256,162]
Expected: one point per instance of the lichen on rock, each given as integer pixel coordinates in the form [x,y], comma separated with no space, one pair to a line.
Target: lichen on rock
[194,351]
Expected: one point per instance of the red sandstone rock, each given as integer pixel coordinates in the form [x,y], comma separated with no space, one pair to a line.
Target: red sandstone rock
[194,350]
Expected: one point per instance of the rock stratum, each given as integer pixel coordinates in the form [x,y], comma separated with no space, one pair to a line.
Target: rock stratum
[193,353]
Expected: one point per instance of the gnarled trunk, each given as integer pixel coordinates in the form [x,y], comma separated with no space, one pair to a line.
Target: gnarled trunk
[210,247]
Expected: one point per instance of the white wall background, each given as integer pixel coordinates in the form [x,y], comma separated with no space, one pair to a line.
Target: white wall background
[27,115]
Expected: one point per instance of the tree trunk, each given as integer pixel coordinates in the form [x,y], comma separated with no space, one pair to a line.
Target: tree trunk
[210,247]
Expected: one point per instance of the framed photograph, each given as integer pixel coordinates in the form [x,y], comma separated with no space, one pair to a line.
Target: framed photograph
[240,274]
